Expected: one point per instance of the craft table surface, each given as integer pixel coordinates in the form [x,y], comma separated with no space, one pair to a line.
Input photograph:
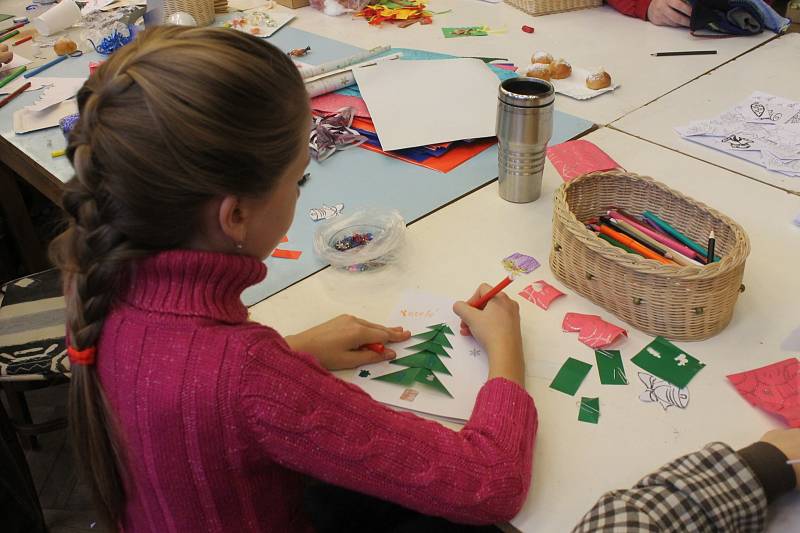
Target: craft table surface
[772,68]
[586,38]
[453,249]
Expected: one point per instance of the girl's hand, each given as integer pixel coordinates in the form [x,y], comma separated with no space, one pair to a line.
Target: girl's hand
[338,344]
[497,328]
[5,55]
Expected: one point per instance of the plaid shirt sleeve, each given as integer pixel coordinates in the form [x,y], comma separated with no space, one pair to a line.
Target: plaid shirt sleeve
[709,490]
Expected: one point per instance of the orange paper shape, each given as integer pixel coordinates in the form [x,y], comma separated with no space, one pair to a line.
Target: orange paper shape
[774,388]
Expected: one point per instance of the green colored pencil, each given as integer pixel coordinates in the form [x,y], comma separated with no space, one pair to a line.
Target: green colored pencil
[14,73]
[8,36]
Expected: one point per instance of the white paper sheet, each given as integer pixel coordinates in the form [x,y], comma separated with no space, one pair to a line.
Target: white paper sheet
[415,103]
[59,89]
[467,362]
[36,84]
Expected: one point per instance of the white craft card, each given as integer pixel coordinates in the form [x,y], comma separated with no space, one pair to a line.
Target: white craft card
[26,120]
[467,363]
[415,103]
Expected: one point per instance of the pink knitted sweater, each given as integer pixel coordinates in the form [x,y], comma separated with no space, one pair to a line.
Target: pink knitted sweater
[221,420]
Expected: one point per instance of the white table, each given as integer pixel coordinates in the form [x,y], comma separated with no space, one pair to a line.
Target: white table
[452,250]
[773,68]
[588,38]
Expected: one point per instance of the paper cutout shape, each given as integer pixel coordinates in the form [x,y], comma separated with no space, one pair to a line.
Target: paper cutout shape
[518,263]
[541,293]
[665,394]
[668,362]
[60,89]
[332,102]
[589,410]
[610,367]
[286,254]
[466,31]
[774,388]
[592,330]
[570,376]
[574,158]
[409,395]
[425,361]
[325,212]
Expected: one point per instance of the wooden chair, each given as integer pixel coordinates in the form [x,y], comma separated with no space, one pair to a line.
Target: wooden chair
[33,352]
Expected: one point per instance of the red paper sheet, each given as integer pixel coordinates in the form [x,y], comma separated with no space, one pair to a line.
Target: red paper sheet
[444,163]
[332,102]
[592,330]
[541,293]
[774,388]
[573,158]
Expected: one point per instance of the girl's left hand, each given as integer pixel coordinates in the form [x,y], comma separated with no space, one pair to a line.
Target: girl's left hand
[5,55]
[338,344]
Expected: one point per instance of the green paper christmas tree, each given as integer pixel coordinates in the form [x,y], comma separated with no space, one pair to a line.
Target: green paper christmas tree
[424,361]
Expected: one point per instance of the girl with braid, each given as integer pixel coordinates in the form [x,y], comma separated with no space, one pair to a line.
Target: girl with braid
[186,416]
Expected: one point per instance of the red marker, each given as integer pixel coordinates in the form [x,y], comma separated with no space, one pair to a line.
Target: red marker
[480,303]
[12,28]
[23,40]
[375,347]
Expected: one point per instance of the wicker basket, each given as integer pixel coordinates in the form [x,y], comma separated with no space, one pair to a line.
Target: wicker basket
[546,7]
[678,302]
[201,10]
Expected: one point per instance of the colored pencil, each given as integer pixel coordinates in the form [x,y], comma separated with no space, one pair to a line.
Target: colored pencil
[16,93]
[676,234]
[11,77]
[12,28]
[46,66]
[663,238]
[23,40]
[626,230]
[8,36]
[612,242]
[630,243]
[712,244]
[481,302]
[375,347]
[686,53]
[652,243]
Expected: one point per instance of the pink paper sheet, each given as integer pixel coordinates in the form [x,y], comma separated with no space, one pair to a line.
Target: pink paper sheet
[541,293]
[592,330]
[774,388]
[573,158]
[332,102]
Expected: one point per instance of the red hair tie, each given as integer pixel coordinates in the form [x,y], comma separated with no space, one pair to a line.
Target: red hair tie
[81,357]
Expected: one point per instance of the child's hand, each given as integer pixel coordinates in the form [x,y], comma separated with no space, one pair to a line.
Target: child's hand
[787,441]
[5,55]
[497,328]
[337,343]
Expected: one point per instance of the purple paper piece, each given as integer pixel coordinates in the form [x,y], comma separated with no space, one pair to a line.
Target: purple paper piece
[518,263]
[333,132]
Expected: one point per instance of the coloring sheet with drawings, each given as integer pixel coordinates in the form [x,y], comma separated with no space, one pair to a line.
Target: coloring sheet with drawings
[465,360]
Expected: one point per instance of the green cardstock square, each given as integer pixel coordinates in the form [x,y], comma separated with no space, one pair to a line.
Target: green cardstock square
[666,361]
[589,410]
[610,367]
[569,378]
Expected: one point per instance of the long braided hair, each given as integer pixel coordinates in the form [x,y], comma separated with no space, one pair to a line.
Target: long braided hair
[175,119]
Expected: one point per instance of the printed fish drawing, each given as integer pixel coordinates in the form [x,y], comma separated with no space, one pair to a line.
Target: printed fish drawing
[325,212]
[665,394]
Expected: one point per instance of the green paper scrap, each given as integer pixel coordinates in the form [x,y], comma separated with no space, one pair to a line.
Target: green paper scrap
[666,361]
[569,378]
[610,367]
[466,31]
[590,410]
[424,361]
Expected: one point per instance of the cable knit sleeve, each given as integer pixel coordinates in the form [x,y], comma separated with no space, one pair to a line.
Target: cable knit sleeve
[632,8]
[300,416]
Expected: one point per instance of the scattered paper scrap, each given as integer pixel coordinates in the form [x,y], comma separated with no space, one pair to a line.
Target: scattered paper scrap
[402,12]
[763,129]
[541,293]
[325,212]
[592,330]
[663,393]
[668,362]
[59,90]
[286,254]
[332,132]
[574,158]
[469,31]
[774,388]
[517,263]
[259,23]
[589,410]
[610,367]
[570,376]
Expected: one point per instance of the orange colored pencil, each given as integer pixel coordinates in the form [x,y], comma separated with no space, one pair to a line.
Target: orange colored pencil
[23,40]
[634,245]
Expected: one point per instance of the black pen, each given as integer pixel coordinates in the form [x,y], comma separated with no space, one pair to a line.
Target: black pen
[687,53]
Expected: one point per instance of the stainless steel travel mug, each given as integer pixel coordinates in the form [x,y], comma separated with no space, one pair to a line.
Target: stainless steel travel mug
[524,127]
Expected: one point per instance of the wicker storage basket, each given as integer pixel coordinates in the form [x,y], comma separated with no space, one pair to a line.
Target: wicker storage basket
[546,7]
[682,303]
[201,10]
